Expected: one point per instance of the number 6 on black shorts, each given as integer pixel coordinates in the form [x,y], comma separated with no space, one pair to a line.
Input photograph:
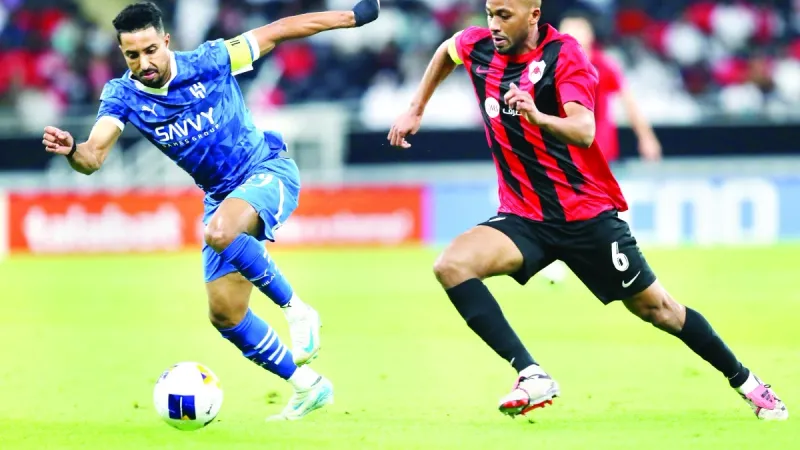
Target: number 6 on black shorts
[603,253]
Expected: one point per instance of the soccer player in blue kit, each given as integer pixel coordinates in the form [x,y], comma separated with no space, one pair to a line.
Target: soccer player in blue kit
[189,105]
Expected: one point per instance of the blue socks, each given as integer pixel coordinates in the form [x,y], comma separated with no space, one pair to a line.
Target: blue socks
[257,340]
[260,343]
[252,260]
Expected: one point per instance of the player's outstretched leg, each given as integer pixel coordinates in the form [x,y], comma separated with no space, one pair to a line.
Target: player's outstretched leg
[478,254]
[230,234]
[228,298]
[657,307]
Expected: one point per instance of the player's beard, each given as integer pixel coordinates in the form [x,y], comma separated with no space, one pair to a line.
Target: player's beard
[506,46]
[511,45]
[155,81]
[507,49]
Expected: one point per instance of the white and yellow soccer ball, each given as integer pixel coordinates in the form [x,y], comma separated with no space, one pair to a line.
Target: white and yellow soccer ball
[188,396]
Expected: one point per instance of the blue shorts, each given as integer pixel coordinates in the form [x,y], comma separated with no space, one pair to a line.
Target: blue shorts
[272,190]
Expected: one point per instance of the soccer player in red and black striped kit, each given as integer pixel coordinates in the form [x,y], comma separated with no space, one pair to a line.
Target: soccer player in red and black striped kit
[558,199]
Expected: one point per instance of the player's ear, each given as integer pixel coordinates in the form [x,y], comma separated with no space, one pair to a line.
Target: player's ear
[536,14]
[166,39]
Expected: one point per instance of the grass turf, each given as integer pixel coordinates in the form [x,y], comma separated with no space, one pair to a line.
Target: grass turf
[84,339]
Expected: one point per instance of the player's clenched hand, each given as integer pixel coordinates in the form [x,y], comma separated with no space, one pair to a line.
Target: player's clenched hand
[522,101]
[409,122]
[57,141]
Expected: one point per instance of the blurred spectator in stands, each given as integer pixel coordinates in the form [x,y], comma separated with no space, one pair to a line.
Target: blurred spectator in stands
[684,59]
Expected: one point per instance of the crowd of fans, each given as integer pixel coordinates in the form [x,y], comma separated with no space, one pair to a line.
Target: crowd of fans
[686,60]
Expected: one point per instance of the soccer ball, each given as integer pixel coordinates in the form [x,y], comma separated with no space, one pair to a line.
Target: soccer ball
[188,396]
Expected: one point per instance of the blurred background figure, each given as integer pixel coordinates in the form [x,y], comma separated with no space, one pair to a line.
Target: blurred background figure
[579,25]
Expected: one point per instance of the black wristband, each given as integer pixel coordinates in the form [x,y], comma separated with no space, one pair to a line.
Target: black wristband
[74,149]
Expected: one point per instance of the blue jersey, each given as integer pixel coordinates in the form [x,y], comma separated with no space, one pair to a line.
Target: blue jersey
[198,118]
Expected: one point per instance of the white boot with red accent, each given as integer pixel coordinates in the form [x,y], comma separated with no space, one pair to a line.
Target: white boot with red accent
[534,389]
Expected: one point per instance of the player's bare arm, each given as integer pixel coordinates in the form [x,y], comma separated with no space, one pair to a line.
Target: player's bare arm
[305,25]
[441,65]
[88,157]
[649,147]
[577,128]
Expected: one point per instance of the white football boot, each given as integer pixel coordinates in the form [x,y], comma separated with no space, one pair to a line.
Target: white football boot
[306,400]
[534,389]
[304,325]
[762,399]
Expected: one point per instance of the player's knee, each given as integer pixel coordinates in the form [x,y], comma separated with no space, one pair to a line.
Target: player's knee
[658,308]
[658,317]
[224,315]
[220,321]
[219,237]
[452,270]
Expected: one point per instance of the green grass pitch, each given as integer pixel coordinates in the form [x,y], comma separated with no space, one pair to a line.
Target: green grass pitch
[83,339]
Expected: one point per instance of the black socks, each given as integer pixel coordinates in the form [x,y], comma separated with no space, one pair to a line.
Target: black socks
[478,307]
[698,335]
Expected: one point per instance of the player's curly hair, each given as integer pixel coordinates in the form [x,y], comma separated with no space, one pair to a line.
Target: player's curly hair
[139,16]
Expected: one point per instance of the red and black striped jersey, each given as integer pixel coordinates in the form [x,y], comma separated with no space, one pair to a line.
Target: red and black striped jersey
[540,177]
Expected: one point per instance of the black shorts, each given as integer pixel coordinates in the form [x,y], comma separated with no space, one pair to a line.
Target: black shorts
[601,251]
